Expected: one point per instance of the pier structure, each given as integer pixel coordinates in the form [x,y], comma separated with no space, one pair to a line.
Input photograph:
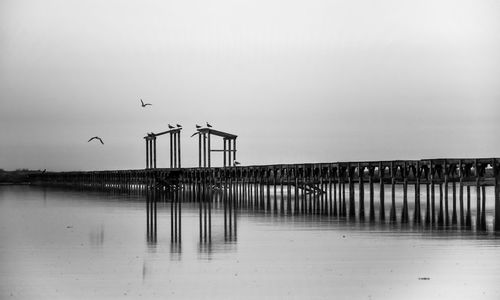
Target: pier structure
[443,189]
[205,147]
[174,147]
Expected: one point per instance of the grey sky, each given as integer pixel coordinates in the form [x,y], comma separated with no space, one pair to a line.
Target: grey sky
[298,81]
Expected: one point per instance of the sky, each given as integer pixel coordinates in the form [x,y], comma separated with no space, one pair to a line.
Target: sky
[298,81]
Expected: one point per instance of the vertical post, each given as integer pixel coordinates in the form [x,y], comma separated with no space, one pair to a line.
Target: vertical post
[209,150]
[175,148]
[433,207]
[468,217]
[204,150]
[229,154]
[446,211]
[483,210]
[392,216]
[416,215]
[352,204]
[496,173]
[154,152]
[461,192]
[478,196]
[179,148]
[404,213]
[372,204]
[361,192]
[151,152]
[199,150]
[171,151]
[147,152]
[224,152]
[454,209]
[382,192]
[234,147]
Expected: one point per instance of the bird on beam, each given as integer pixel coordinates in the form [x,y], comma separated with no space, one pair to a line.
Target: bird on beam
[179,126]
[208,125]
[96,138]
[145,104]
[198,126]
[236,163]
[170,126]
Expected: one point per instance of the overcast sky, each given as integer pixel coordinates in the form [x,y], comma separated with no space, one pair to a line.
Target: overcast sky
[297,81]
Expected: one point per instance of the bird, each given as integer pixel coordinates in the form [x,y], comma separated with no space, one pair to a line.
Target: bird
[179,126]
[145,104]
[96,138]
[170,126]
[237,163]
[44,170]
[208,125]
[198,126]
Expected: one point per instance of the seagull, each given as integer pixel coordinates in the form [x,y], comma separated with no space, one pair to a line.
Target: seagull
[179,126]
[208,125]
[198,126]
[145,104]
[170,126]
[236,163]
[96,138]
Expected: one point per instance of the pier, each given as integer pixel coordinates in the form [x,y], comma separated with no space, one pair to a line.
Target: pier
[360,191]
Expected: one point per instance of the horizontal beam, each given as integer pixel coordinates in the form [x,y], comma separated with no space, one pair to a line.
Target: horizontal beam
[218,133]
[218,150]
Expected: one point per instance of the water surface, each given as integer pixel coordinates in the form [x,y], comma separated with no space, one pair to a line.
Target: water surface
[61,244]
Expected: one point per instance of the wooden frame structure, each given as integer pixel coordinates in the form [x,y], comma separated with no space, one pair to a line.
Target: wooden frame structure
[175,148]
[205,147]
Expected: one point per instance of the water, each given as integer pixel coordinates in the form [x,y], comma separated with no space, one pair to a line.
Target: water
[60,244]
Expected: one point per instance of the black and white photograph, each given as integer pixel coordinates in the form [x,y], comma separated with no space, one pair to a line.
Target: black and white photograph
[236,149]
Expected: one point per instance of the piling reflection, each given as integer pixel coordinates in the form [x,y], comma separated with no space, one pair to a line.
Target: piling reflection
[437,203]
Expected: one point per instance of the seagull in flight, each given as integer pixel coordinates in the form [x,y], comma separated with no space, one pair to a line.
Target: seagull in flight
[198,126]
[208,125]
[96,138]
[145,104]
[170,126]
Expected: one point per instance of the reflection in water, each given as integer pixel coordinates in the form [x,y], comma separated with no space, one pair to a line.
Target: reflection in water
[151,218]
[96,236]
[277,255]
[175,251]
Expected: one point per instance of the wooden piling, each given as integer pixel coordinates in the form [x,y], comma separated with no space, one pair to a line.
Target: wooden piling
[382,192]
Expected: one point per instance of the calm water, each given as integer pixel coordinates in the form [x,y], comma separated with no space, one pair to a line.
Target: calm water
[57,244]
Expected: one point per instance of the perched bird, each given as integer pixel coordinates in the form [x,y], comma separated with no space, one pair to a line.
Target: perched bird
[198,126]
[145,104]
[208,125]
[236,163]
[96,138]
[44,170]
[170,126]
[179,126]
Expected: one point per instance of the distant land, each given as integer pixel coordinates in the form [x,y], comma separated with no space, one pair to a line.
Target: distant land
[19,176]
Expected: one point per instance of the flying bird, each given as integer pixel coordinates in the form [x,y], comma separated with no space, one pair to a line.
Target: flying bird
[208,125]
[179,126]
[96,138]
[145,104]
[170,126]
[198,126]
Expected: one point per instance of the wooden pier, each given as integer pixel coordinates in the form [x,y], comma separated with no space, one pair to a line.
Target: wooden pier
[441,190]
